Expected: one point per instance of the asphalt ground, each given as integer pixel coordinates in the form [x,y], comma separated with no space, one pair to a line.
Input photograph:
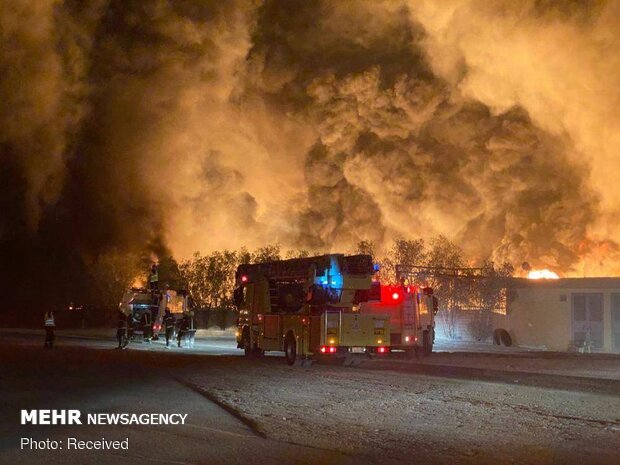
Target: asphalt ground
[109,381]
[455,365]
[89,374]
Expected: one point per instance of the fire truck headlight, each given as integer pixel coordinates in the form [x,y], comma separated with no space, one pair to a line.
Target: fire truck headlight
[407,338]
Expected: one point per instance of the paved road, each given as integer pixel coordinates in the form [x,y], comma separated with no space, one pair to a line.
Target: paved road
[90,375]
[225,346]
[97,381]
[222,343]
[211,345]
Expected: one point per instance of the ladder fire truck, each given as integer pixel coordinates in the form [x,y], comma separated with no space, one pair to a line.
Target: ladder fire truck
[412,308]
[139,301]
[308,307]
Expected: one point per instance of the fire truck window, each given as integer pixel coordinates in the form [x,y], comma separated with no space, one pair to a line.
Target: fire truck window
[318,295]
[423,305]
[290,297]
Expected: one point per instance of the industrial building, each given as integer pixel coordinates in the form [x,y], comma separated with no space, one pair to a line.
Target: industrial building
[567,314]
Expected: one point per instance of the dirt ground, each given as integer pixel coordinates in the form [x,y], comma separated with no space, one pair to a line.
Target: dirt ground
[600,366]
[398,417]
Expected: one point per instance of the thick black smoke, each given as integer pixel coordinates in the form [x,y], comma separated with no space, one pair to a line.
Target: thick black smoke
[95,98]
[400,153]
[156,127]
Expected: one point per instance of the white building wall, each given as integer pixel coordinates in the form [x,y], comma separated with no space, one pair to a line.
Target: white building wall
[540,317]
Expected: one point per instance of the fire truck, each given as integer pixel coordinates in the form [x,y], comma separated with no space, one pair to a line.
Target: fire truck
[412,311]
[309,307]
[138,301]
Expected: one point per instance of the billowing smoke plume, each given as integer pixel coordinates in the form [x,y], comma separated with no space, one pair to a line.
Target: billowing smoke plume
[44,84]
[405,147]
[195,125]
[556,60]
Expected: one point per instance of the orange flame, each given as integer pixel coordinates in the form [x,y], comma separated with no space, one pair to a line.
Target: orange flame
[542,274]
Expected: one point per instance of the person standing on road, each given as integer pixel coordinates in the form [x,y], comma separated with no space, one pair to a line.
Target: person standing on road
[183,328]
[121,331]
[50,325]
[154,278]
[191,330]
[169,323]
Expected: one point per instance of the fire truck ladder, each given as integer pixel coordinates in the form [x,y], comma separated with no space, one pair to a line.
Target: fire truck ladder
[423,272]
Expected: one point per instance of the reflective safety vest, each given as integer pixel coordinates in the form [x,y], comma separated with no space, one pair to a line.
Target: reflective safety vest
[49,321]
[154,277]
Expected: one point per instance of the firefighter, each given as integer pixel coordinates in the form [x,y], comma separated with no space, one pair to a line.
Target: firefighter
[147,326]
[154,278]
[183,328]
[49,329]
[121,331]
[169,323]
[191,329]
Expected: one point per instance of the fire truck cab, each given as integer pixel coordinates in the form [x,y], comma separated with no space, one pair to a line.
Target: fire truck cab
[307,307]
[412,311]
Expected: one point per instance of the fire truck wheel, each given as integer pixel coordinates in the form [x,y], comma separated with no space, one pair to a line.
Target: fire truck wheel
[290,348]
[427,344]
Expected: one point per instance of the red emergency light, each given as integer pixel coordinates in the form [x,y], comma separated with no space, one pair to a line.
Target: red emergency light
[244,278]
[391,295]
[328,349]
[382,350]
